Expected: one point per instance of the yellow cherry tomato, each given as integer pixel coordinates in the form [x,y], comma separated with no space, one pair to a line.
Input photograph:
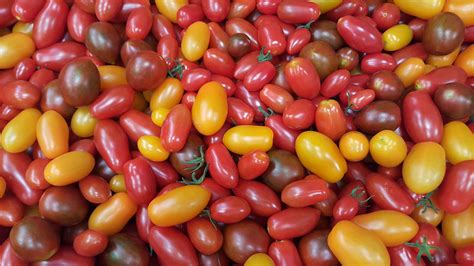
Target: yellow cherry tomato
[429,68]
[178,206]
[459,228]
[139,102]
[69,168]
[463,8]
[458,142]
[320,155]
[150,147]
[15,47]
[326,5]
[410,70]
[432,215]
[424,9]
[159,115]
[83,123]
[23,27]
[3,187]
[247,138]
[20,132]
[167,95]
[259,259]
[52,133]
[354,146]
[111,216]
[388,149]
[169,8]
[209,111]
[392,227]
[397,37]
[195,41]
[112,76]
[443,60]
[355,245]
[424,167]
[465,60]
[117,184]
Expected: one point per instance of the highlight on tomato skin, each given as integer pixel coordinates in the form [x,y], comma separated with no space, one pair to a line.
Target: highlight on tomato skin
[236,132]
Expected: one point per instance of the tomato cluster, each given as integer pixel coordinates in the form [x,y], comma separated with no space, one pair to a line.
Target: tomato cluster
[236,132]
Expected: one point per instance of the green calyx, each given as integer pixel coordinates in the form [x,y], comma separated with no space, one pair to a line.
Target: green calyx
[423,249]
[427,203]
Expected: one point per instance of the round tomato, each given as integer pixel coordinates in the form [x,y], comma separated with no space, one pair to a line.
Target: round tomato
[354,146]
[388,149]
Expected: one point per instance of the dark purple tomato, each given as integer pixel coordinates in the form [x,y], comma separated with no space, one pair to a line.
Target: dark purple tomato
[125,249]
[387,85]
[79,82]
[443,33]
[284,168]
[103,41]
[314,250]
[190,151]
[63,205]
[146,71]
[325,30]
[348,58]
[239,45]
[323,57]
[378,116]
[455,100]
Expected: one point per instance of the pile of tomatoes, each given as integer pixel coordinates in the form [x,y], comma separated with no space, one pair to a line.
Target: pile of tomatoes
[236,132]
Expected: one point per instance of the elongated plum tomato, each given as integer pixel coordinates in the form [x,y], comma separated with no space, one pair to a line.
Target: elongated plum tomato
[458,142]
[19,133]
[111,216]
[52,133]
[195,40]
[248,138]
[420,9]
[320,155]
[178,205]
[360,35]
[424,167]
[169,9]
[58,172]
[209,111]
[355,245]
[15,47]
[392,227]
[458,228]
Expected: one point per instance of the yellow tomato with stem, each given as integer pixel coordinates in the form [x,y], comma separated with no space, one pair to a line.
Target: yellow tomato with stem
[320,155]
[150,147]
[111,216]
[117,184]
[443,60]
[20,132]
[463,8]
[209,110]
[112,76]
[83,123]
[69,168]
[248,138]
[424,9]
[167,95]
[169,8]
[354,146]
[326,5]
[15,47]
[458,142]
[424,167]
[195,41]
[355,245]
[410,70]
[397,37]
[465,60]
[388,149]
[52,133]
[392,227]
[159,115]
[24,27]
[178,205]
[259,259]
[459,228]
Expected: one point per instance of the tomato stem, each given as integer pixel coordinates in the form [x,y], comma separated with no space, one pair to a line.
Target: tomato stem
[269,112]
[200,160]
[263,57]
[176,70]
[194,180]
[423,248]
[206,213]
[427,203]
[306,26]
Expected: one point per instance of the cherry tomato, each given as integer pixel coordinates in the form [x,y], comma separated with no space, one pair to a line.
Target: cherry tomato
[297,12]
[284,252]
[173,247]
[210,109]
[330,120]
[50,23]
[457,228]
[90,243]
[458,142]
[354,146]
[424,10]
[112,144]
[335,83]
[360,35]
[306,192]
[388,149]
[252,165]
[175,128]
[263,200]
[292,222]
[195,41]
[387,194]
[139,23]
[256,138]
[204,236]
[299,114]
[397,37]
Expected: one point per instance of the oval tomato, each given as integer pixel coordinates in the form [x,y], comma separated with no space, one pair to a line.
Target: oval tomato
[247,138]
[209,111]
[458,142]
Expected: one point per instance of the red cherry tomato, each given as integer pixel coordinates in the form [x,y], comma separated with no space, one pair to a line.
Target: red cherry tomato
[222,167]
[253,164]
[176,128]
[302,77]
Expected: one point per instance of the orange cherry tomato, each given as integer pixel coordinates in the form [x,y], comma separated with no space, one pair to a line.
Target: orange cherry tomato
[52,133]
[69,168]
[209,111]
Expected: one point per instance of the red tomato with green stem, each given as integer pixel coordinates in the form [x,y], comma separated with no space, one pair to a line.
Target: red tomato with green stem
[260,74]
[168,49]
[252,99]
[348,206]
[271,37]
[245,64]
[404,255]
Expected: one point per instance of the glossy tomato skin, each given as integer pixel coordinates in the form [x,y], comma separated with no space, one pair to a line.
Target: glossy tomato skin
[465,255]
[403,255]
[204,236]
[299,114]
[302,77]
[297,40]
[283,137]
[210,108]
[386,84]
[443,33]
[329,119]
[20,94]
[139,180]
[176,128]
[90,243]
[125,248]
[8,255]
[239,112]
[79,82]
[95,189]
[137,124]
[260,75]
[50,23]
[253,164]
[292,222]
[262,200]
[222,167]
[113,102]
[360,35]
[63,205]
[297,12]
[103,41]
[388,194]
[283,169]
[139,23]
[112,143]
[77,23]
[440,76]
[454,189]
[56,56]
[219,62]
[230,209]
[421,117]
[306,192]
[459,105]
[378,116]
[284,253]
[372,63]
[335,83]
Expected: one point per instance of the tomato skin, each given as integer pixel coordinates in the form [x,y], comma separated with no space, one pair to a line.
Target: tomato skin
[230,209]
[454,191]
[335,83]
[172,247]
[112,144]
[256,138]
[18,135]
[178,205]
[403,255]
[195,41]
[440,76]
[15,47]
[372,63]
[176,128]
[52,134]
[284,253]
[352,244]
[245,64]
[320,155]
[458,142]
[345,208]
[275,97]
[112,102]
[210,109]
[219,62]
[137,124]
[77,23]
[56,56]
[296,12]
[240,25]
[193,79]
[189,14]
[424,10]
[302,77]
[421,117]
[204,236]
[139,180]
[410,70]
[263,201]
[253,164]
[397,37]
[297,40]
[306,192]
[90,243]
[464,60]
[270,35]
[50,23]
[139,23]
[260,75]
[360,35]
[299,114]
[239,112]
[20,94]
[283,137]
[330,120]
[222,167]
[292,222]
[457,228]
[106,10]
[388,149]
[465,256]
[388,194]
